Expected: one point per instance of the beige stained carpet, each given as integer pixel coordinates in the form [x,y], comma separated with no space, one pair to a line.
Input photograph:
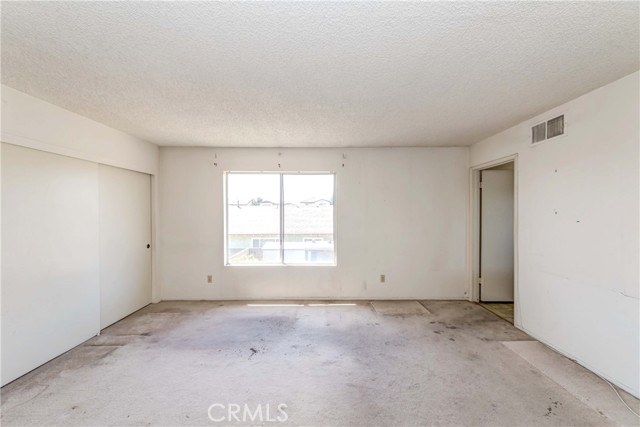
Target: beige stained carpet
[399,308]
[503,310]
[332,365]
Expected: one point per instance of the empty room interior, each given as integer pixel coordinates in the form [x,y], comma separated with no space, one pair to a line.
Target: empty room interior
[320,213]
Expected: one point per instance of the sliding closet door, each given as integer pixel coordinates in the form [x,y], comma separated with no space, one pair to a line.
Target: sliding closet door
[50,259]
[125,233]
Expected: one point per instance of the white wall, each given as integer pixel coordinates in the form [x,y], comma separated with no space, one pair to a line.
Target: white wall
[578,227]
[34,123]
[50,279]
[400,212]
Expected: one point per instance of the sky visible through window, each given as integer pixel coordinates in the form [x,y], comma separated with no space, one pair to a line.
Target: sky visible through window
[297,187]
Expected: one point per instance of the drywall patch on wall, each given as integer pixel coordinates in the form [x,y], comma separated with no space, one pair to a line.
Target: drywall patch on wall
[399,212]
[578,228]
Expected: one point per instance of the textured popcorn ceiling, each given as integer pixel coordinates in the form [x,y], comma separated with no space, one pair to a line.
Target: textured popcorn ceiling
[314,74]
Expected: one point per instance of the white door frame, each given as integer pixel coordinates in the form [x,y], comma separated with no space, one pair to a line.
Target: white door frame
[474,227]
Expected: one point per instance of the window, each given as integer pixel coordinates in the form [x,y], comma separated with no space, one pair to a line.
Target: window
[279,218]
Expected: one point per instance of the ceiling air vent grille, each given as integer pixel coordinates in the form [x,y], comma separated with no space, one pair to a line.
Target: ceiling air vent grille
[539,133]
[547,130]
[555,127]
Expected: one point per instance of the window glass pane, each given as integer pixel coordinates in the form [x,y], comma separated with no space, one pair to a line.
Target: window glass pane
[308,219]
[253,218]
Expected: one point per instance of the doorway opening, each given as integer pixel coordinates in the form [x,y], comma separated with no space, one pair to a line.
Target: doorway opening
[495,249]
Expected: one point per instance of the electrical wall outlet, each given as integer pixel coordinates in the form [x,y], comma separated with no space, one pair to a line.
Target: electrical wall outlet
[209,279]
[383,278]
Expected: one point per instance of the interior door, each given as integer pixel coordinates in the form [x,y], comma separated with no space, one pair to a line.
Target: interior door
[496,236]
[125,233]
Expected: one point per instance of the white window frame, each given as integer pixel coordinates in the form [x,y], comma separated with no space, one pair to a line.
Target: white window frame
[282,219]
